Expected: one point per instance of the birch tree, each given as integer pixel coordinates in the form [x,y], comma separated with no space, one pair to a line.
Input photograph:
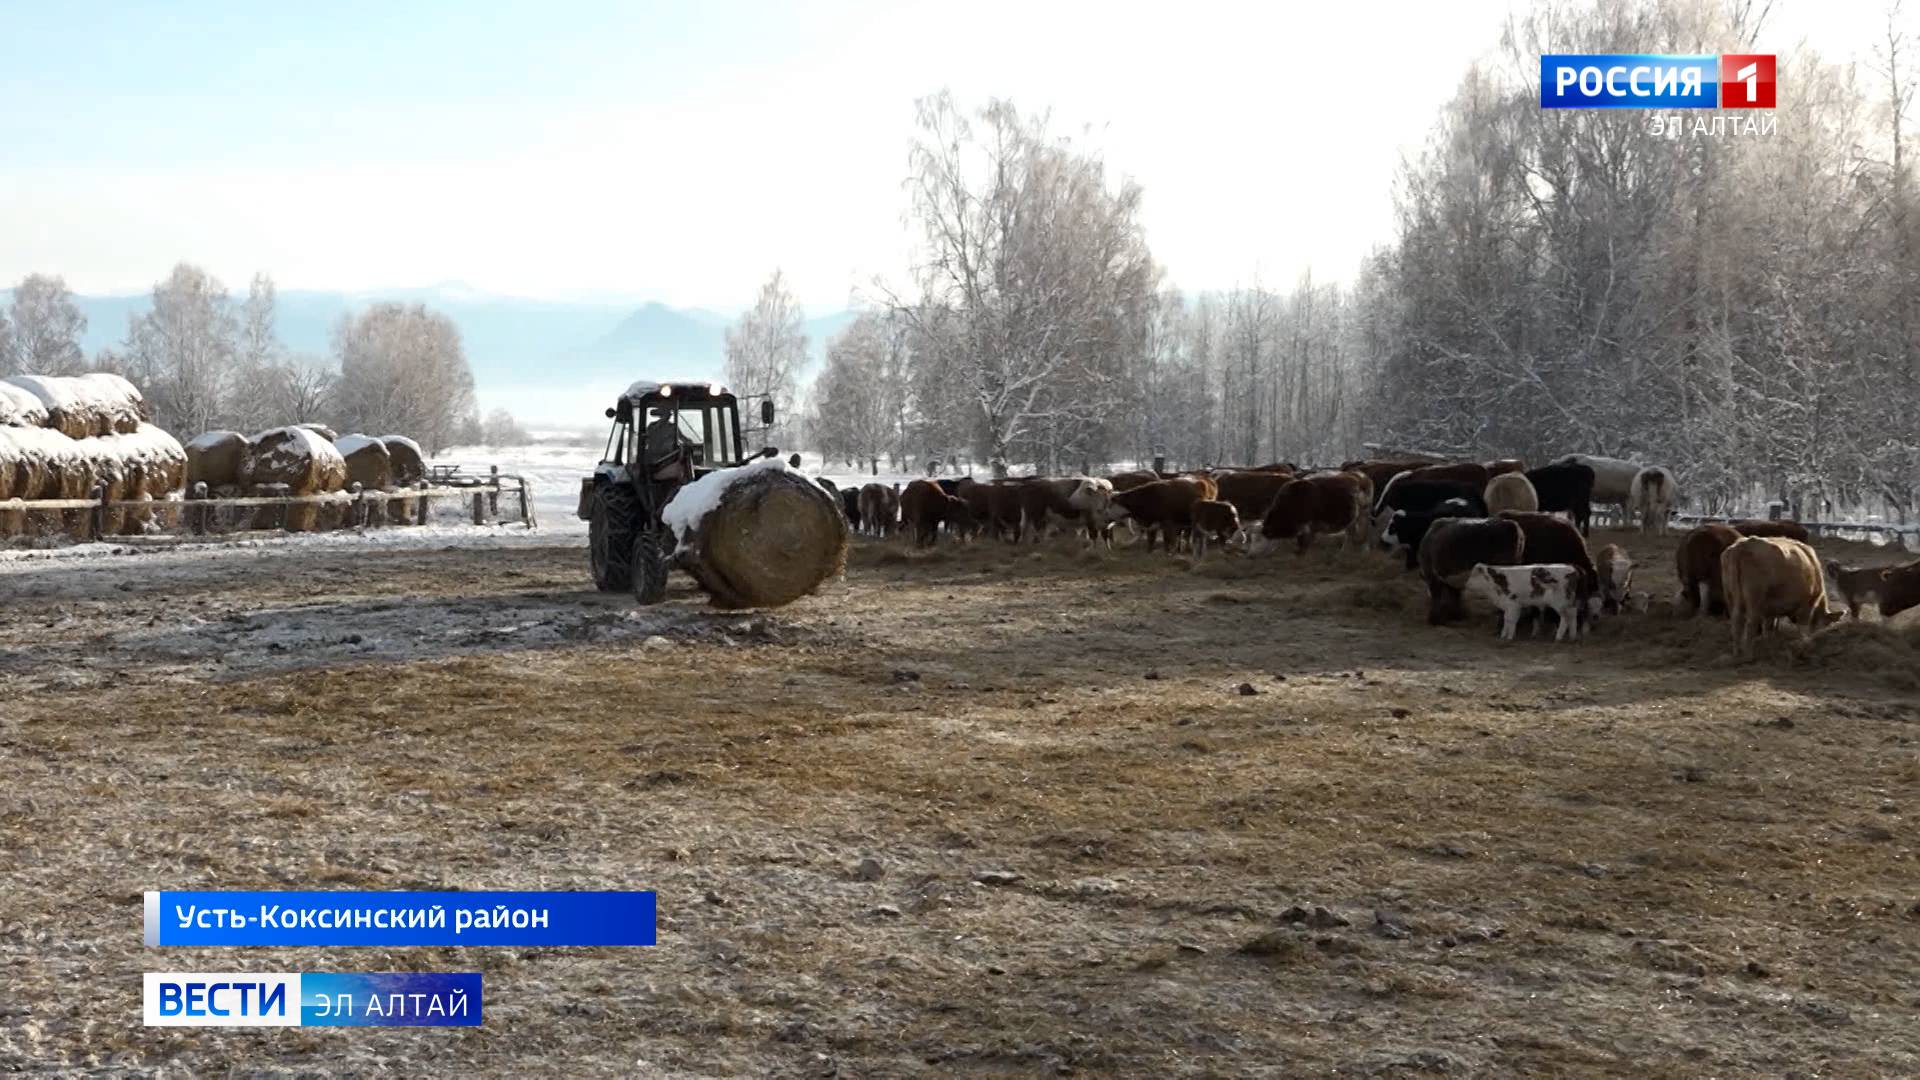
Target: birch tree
[765,352]
[47,325]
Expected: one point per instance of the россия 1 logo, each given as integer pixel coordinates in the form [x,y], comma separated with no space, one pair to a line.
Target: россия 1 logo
[1656,81]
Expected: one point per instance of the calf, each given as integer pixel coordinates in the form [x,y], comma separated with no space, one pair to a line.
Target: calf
[1769,578]
[924,507]
[1651,498]
[1329,503]
[1515,590]
[1551,540]
[1696,562]
[879,509]
[1616,578]
[850,506]
[1163,507]
[1406,529]
[1450,552]
[1893,589]
[1510,491]
[1564,489]
[1784,528]
[1216,520]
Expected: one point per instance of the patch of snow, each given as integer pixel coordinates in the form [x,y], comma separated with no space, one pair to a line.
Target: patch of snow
[207,440]
[641,388]
[99,391]
[698,499]
[20,407]
[349,445]
[406,442]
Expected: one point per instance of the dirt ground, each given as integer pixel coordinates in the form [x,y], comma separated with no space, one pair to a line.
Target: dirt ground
[982,811]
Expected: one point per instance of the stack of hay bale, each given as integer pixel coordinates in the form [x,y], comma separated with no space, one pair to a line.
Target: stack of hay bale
[60,436]
[304,459]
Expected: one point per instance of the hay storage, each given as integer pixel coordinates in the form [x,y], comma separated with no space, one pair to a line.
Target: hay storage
[300,459]
[152,467]
[761,535]
[20,408]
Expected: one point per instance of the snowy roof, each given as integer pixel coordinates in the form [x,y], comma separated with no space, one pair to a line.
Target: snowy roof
[644,387]
[698,499]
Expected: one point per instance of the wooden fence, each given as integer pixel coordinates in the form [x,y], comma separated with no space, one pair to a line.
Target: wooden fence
[198,513]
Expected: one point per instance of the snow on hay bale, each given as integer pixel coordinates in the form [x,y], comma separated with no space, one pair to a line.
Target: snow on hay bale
[214,459]
[81,405]
[143,465]
[298,458]
[41,463]
[760,535]
[409,466]
[369,465]
[20,408]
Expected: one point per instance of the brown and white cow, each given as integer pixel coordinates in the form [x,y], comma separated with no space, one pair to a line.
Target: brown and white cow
[1250,491]
[1769,578]
[1327,503]
[1539,587]
[924,507]
[1616,578]
[1163,507]
[1893,589]
[1216,520]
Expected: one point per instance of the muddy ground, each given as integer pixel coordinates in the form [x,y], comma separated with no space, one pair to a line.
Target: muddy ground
[976,812]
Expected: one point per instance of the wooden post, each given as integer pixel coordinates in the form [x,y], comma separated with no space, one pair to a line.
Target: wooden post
[479,508]
[98,516]
[197,515]
[493,493]
[420,514]
[526,504]
[356,511]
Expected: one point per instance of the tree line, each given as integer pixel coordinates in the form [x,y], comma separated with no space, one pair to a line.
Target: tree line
[206,360]
[1740,307]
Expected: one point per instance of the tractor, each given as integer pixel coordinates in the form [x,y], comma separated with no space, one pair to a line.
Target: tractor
[665,436]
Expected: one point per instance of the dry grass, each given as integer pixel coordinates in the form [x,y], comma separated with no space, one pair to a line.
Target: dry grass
[1405,849]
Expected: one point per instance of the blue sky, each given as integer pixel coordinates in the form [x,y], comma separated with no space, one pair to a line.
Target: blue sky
[682,151]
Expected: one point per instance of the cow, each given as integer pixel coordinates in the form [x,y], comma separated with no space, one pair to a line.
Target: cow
[1004,502]
[1784,528]
[1612,480]
[1552,540]
[1329,503]
[879,509]
[1564,489]
[1381,473]
[1893,589]
[1696,562]
[1213,519]
[1510,491]
[1616,578]
[1464,472]
[850,506]
[1419,496]
[1526,587]
[1277,467]
[1406,529]
[1126,481]
[1249,491]
[1768,578]
[1091,497]
[1503,466]
[1453,548]
[1651,498]
[924,507]
[1163,507]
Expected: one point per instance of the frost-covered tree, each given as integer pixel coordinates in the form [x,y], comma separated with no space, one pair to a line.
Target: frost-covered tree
[183,352]
[765,352]
[47,325]
[402,372]
[859,399]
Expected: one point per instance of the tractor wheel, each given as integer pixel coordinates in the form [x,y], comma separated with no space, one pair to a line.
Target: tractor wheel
[649,567]
[610,539]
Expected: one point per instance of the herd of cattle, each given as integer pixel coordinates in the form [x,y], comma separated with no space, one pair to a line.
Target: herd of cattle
[1515,536]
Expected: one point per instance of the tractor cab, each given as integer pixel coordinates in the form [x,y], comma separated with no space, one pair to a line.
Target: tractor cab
[665,436]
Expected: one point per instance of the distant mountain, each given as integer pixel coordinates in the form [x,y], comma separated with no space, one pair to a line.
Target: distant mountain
[548,361]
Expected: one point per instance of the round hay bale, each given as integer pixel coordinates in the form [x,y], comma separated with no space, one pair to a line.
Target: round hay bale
[20,408]
[296,457]
[78,406]
[321,430]
[370,465]
[214,458]
[760,535]
[153,466]
[409,467]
